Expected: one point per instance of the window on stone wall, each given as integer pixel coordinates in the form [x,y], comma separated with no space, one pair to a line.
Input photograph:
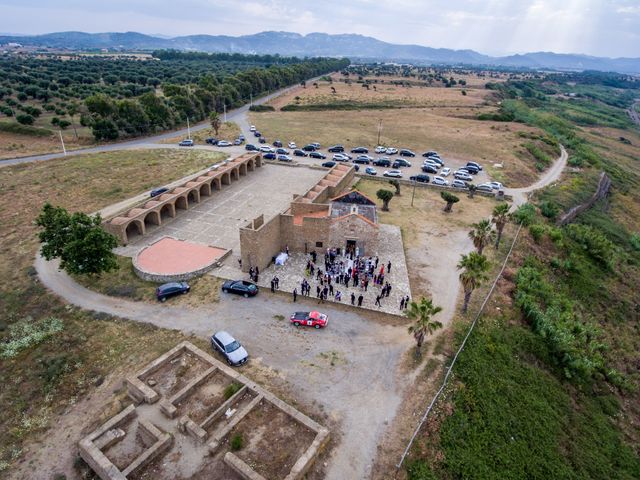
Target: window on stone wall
[319,244]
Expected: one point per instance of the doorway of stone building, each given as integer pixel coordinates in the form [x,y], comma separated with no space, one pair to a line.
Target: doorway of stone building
[351,247]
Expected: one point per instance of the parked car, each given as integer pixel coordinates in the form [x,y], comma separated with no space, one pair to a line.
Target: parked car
[459,184]
[285,158]
[370,171]
[380,149]
[421,178]
[484,188]
[299,153]
[241,138]
[363,159]
[392,173]
[430,153]
[158,191]
[462,176]
[432,163]
[496,185]
[391,151]
[310,319]
[267,149]
[186,143]
[252,128]
[336,149]
[319,155]
[315,144]
[262,140]
[237,141]
[472,170]
[439,181]
[170,289]
[269,156]
[277,143]
[401,162]
[382,162]
[224,143]
[256,133]
[428,168]
[437,160]
[309,148]
[211,141]
[404,152]
[233,352]
[445,172]
[340,157]
[360,150]
[292,145]
[329,164]
[240,287]
[249,147]
[282,151]
[474,164]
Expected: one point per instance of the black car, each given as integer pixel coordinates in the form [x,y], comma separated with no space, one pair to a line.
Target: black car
[257,134]
[211,141]
[269,156]
[158,191]
[299,153]
[406,153]
[250,147]
[429,169]
[282,151]
[382,162]
[319,155]
[472,169]
[309,148]
[430,153]
[277,143]
[170,289]
[262,140]
[400,162]
[362,160]
[336,149]
[329,164]
[240,287]
[475,165]
[360,150]
[420,178]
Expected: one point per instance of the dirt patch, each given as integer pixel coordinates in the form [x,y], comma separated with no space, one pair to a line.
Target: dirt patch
[176,374]
[271,440]
[204,399]
[125,451]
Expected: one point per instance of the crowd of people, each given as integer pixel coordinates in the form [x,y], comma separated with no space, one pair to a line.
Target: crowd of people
[344,270]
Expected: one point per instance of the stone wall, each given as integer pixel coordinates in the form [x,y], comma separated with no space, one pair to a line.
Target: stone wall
[259,246]
[354,227]
[604,184]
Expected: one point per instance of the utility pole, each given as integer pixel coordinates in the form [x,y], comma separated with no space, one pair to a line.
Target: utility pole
[225,112]
[379,130]
[414,192]
[251,100]
[188,129]
[62,142]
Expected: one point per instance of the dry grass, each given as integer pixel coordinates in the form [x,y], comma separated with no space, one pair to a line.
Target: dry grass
[228,131]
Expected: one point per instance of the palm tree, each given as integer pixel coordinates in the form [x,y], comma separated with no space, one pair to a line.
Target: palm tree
[385,196]
[500,218]
[474,272]
[423,325]
[481,234]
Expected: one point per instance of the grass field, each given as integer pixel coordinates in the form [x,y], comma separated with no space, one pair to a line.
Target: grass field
[44,379]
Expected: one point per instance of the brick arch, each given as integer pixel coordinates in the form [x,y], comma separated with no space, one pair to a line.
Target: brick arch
[135,228]
[226,178]
[167,211]
[243,169]
[235,173]
[181,203]
[216,183]
[193,196]
[251,165]
[205,189]
[152,218]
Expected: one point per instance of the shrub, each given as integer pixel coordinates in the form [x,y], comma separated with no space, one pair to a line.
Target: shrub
[237,442]
[25,119]
[594,243]
[27,333]
[525,214]
[537,231]
[231,390]
[549,209]
[12,127]
[635,241]
[261,108]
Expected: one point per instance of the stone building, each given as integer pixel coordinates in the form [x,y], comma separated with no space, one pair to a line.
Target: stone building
[328,215]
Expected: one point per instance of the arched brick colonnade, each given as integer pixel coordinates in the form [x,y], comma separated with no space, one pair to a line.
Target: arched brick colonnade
[134,222]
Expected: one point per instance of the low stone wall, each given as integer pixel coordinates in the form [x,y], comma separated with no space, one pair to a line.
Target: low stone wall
[604,184]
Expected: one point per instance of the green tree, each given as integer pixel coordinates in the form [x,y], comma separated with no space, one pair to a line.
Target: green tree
[385,196]
[25,119]
[525,214]
[105,129]
[214,118]
[500,218]
[481,234]
[396,184]
[450,198]
[78,240]
[472,190]
[423,325]
[474,272]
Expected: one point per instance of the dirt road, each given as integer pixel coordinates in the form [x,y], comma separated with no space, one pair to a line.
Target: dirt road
[520,195]
[349,368]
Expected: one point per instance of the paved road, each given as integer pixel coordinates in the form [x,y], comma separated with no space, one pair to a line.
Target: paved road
[239,115]
[633,113]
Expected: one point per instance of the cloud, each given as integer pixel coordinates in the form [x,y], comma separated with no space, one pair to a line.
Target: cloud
[597,27]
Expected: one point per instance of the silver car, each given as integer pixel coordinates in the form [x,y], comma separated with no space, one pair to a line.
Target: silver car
[229,347]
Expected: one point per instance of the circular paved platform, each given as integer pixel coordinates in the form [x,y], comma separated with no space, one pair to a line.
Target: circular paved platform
[170,259]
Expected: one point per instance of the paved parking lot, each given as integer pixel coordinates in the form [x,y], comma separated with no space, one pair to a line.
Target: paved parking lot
[217,219]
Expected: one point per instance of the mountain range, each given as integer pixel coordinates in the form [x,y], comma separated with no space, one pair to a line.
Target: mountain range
[356,47]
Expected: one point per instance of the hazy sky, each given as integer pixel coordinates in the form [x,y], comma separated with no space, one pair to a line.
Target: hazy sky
[596,27]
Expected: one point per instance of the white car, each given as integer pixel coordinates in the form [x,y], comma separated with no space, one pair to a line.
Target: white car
[292,145]
[392,173]
[224,143]
[391,151]
[432,163]
[340,157]
[252,128]
[267,149]
[437,180]
[380,149]
[445,172]
[496,185]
